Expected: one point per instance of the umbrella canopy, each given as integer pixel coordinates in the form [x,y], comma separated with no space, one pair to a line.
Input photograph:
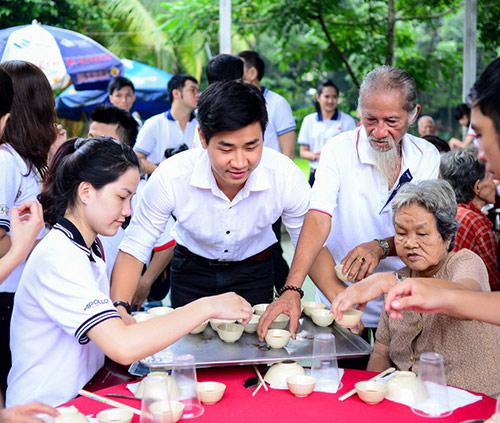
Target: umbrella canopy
[150,89]
[61,54]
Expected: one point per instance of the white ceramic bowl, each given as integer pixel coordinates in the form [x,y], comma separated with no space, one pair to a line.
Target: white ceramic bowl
[278,373]
[277,338]
[199,328]
[251,326]
[143,316]
[351,317]
[230,332]
[370,391]
[402,387]
[176,407]
[160,311]
[70,415]
[340,275]
[310,305]
[215,322]
[115,415]
[301,385]
[210,392]
[280,322]
[259,309]
[322,317]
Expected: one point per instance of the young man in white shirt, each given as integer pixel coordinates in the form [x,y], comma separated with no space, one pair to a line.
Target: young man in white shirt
[171,129]
[225,198]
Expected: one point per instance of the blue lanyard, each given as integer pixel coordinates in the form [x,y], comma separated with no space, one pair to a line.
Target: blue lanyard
[405,178]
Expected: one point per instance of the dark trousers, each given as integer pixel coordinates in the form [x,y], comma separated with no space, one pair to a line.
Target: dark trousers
[359,363]
[280,265]
[6,305]
[192,278]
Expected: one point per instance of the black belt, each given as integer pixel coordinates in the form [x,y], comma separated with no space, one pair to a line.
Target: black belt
[267,254]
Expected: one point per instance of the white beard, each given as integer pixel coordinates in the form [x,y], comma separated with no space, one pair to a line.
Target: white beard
[386,162]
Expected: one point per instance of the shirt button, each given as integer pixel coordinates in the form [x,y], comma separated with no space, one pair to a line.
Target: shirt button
[419,326]
[225,251]
[228,232]
[412,358]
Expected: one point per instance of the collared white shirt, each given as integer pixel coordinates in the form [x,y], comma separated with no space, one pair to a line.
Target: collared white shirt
[63,293]
[280,118]
[161,132]
[17,185]
[350,189]
[315,132]
[208,223]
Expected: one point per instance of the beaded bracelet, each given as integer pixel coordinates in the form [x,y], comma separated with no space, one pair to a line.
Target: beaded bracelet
[291,288]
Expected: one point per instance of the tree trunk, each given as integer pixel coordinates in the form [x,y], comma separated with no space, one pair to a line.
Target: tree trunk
[391,33]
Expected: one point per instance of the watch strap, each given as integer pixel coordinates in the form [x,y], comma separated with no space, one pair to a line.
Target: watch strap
[124,304]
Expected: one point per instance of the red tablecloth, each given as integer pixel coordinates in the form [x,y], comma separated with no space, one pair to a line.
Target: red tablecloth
[238,405]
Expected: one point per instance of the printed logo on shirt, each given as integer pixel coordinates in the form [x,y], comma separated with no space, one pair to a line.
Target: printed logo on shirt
[4,209]
[95,303]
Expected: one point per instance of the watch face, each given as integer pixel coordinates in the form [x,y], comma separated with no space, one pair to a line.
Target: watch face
[384,244]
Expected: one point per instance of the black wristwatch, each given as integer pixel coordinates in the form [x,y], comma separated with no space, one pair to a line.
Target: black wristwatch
[385,246]
[124,304]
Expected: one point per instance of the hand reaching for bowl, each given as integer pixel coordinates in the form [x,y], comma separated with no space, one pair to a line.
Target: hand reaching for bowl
[26,413]
[289,304]
[360,293]
[362,260]
[230,306]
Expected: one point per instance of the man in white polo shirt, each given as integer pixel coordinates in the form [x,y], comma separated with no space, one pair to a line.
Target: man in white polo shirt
[171,129]
[280,131]
[317,128]
[225,197]
[358,175]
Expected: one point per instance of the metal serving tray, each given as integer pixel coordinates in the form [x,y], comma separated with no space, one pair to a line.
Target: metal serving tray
[209,350]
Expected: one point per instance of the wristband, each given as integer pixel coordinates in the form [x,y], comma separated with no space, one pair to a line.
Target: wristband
[291,288]
[124,304]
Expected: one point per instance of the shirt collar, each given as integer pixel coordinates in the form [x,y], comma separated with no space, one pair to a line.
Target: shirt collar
[203,177]
[470,206]
[335,116]
[168,115]
[74,235]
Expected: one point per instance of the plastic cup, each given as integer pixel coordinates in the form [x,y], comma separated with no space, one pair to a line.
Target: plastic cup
[155,390]
[324,363]
[184,373]
[431,399]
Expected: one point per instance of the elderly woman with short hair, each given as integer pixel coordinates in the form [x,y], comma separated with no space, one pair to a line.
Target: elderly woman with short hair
[424,219]
[474,188]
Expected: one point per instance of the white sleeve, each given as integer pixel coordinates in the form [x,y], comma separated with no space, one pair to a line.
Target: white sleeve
[296,205]
[304,137]
[70,296]
[282,117]
[150,219]
[350,123]
[327,183]
[10,182]
[146,139]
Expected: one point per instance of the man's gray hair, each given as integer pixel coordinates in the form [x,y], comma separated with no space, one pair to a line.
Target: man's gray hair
[438,198]
[462,169]
[427,117]
[387,78]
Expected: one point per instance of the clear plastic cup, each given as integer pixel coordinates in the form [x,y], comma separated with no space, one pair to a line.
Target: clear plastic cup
[324,363]
[184,373]
[155,391]
[431,399]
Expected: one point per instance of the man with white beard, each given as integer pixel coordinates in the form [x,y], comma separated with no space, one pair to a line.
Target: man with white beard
[358,175]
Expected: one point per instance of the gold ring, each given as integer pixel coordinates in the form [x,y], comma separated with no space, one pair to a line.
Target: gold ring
[361,259]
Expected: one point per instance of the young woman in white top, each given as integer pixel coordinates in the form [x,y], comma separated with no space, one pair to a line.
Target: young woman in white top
[26,221]
[29,134]
[317,128]
[64,321]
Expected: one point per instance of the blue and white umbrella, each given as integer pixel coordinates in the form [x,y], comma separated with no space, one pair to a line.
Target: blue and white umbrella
[150,89]
[61,54]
